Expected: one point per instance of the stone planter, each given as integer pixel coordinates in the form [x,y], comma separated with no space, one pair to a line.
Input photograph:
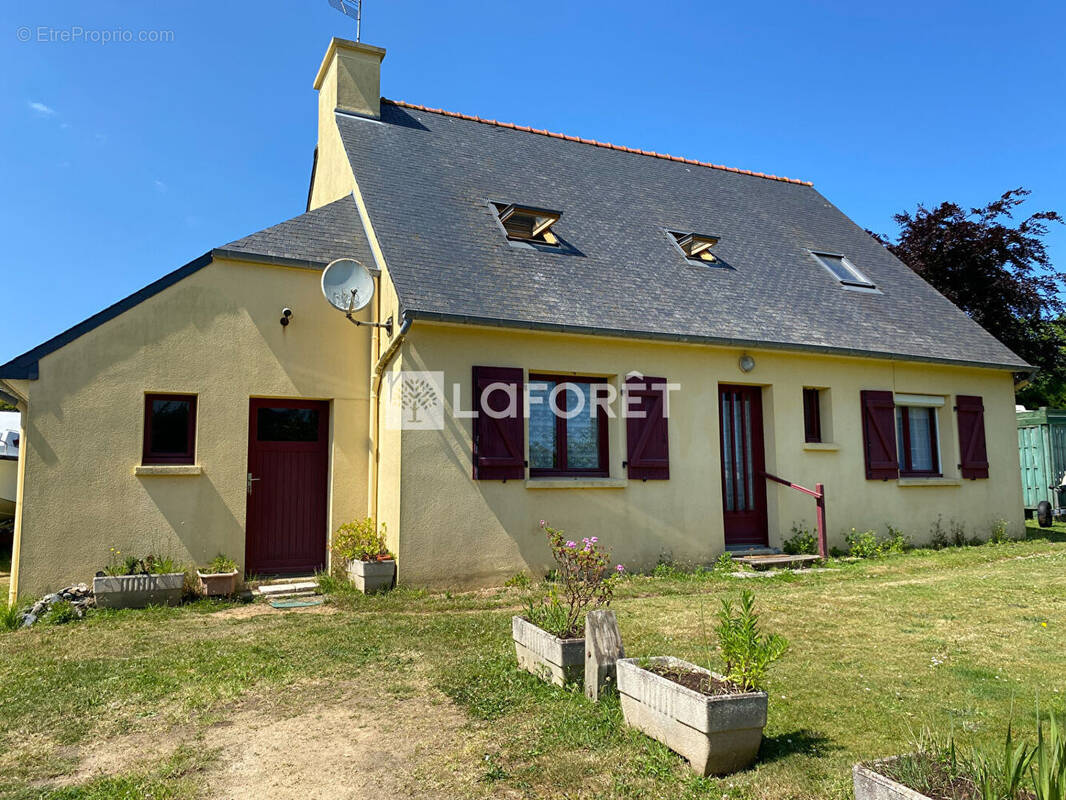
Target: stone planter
[218,584]
[138,591]
[559,661]
[870,784]
[372,576]
[717,735]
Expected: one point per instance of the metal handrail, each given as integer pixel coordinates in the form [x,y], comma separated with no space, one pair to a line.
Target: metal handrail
[818,493]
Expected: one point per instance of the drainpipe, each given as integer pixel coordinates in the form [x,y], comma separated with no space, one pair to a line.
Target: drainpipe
[375,409]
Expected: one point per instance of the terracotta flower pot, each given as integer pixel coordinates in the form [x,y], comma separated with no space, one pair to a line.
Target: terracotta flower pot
[218,584]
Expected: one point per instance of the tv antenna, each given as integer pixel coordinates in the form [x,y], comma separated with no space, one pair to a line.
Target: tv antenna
[348,286]
[353,9]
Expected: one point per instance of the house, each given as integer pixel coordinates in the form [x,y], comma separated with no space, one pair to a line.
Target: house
[749,324]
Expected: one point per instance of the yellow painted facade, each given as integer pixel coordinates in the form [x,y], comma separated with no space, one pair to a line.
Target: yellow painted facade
[457,530]
[215,334]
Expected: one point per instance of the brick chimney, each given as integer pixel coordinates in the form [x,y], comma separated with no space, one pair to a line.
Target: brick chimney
[350,78]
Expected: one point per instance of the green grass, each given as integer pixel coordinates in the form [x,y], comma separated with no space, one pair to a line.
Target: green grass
[880,649]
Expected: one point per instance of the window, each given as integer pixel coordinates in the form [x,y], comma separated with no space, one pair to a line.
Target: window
[696,246]
[286,424]
[169,429]
[528,224]
[917,441]
[812,415]
[567,426]
[843,270]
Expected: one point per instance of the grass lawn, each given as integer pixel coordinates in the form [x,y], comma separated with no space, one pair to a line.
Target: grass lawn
[417,695]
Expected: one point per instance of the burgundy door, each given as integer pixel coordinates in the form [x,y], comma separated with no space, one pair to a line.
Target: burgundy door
[288,463]
[743,462]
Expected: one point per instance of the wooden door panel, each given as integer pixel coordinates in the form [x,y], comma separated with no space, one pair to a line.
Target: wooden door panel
[743,462]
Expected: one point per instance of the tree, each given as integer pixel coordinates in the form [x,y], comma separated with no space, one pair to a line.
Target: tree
[1000,274]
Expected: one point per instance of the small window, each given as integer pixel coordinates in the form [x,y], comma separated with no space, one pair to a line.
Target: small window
[843,270]
[917,440]
[560,446]
[169,429]
[528,224]
[812,415]
[696,246]
[286,425]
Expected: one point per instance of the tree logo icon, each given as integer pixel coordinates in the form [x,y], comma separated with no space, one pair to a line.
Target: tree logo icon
[416,401]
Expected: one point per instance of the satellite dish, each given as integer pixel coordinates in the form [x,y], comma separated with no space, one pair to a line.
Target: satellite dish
[347,285]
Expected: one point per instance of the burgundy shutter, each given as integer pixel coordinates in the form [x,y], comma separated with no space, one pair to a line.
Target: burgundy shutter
[647,442]
[971,413]
[498,443]
[879,435]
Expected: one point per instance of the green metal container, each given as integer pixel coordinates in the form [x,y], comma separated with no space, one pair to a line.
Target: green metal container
[1042,453]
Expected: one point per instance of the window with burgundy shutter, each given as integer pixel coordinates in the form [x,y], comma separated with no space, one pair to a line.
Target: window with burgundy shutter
[970,410]
[879,435]
[647,439]
[499,400]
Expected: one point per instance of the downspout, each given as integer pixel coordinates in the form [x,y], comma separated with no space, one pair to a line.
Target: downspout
[375,405]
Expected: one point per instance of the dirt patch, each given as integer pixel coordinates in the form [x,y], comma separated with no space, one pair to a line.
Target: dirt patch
[258,609]
[355,745]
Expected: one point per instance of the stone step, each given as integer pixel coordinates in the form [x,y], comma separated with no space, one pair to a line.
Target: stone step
[769,561]
[741,550]
[287,579]
[287,589]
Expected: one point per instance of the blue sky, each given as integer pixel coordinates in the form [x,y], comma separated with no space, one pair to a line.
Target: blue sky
[122,161]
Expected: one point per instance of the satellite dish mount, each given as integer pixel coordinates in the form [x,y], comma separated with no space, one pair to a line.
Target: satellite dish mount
[348,286]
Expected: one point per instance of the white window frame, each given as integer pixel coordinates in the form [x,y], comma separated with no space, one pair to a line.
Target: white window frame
[935,402]
[860,283]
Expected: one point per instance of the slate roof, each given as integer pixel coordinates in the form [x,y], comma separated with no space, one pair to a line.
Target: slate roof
[427,178]
[311,239]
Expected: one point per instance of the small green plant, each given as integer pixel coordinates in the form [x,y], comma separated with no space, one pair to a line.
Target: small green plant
[748,653]
[1049,763]
[360,541]
[520,580]
[896,543]
[10,617]
[220,565]
[724,564]
[1002,776]
[550,615]
[999,534]
[801,542]
[938,539]
[863,545]
[958,534]
[119,564]
[61,612]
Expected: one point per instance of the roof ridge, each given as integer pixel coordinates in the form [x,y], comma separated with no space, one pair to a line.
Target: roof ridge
[594,143]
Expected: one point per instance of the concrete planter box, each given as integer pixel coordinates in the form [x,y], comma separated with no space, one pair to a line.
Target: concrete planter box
[559,661]
[138,591]
[218,584]
[872,785]
[372,576]
[717,735]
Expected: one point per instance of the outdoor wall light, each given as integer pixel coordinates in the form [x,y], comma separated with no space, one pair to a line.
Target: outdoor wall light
[746,363]
[286,316]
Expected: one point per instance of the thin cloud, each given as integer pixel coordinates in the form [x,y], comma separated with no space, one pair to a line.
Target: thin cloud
[159,186]
[42,109]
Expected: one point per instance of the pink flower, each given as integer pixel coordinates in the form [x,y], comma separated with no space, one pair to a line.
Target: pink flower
[620,569]
[571,544]
[543,523]
[593,540]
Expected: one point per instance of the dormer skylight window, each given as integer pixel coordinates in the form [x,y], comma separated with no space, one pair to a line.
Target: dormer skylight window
[528,224]
[844,271]
[696,246]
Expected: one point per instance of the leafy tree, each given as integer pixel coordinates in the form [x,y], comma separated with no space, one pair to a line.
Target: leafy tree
[998,272]
[7,406]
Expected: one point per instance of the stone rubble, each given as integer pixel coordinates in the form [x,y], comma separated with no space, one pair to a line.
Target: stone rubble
[80,596]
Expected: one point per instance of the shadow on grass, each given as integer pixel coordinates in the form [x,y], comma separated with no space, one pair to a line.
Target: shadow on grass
[802,742]
[1035,534]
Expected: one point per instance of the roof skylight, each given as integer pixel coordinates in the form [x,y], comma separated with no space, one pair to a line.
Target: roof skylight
[528,224]
[843,270]
[696,246]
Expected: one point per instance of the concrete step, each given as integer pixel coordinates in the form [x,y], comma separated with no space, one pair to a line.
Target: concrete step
[739,551]
[289,588]
[769,561]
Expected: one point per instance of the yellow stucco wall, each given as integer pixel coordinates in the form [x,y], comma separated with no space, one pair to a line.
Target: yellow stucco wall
[455,530]
[215,334]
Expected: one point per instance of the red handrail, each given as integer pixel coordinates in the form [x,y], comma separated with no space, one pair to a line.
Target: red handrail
[818,493]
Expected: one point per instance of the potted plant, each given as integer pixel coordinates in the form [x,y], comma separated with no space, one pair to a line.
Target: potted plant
[548,638]
[361,547]
[714,720]
[937,768]
[131,582]
[219,578]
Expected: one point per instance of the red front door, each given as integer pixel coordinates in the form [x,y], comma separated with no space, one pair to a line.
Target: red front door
[743,462]
[288,467]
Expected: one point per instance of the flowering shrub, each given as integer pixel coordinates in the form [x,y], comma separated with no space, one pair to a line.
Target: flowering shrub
[360,541]
[585,580]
